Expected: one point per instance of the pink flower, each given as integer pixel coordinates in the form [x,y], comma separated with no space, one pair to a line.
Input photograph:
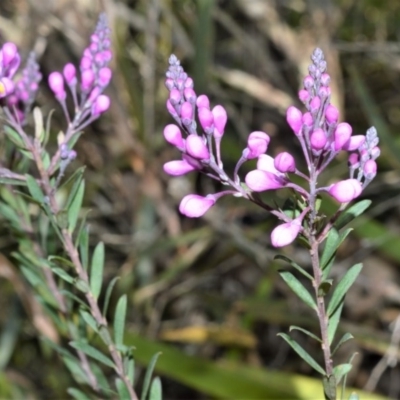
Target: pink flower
[203,101]
[196,147]
[220,119]
[286,233]
[173,135]
[101,104]
[258,180]
[257,144]
[294,119]
[206,119]
[346,190]
[178,167]
[69,73]
[342,135]
[331,114]
[354,143]
[194,206]
[56,83]
[318,139]
[369,169]
[284,162]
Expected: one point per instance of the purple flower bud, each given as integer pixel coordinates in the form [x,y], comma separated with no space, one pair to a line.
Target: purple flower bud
[173,135]
[308,82]
[324,92]
[284,162]
[257,144]
[342,135]
[64,151]
[101,104]
[325,79]
[375,152]
[307,119]
[318,139]
[186,112]
[171,109]
[331,114]
[189,83]
[220,119]
[258,181]
[69,73]
[315,104]
[369,169]
[294,119]
[346,190]
[9,51]
[203,101]
[194,206]
[72,155]
[267,163]
[196,147]
[354,143]
[206,119]
[354,160]
[87,79]
[178,167]
[56,83]
[286,233]
[86,63]
[190,95]
[169,83]
[304,95]
[105,75]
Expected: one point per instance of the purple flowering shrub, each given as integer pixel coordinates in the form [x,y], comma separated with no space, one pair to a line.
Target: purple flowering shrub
[322,137]
[68,280]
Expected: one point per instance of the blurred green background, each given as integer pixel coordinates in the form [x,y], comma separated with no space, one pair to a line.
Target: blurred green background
[206,292]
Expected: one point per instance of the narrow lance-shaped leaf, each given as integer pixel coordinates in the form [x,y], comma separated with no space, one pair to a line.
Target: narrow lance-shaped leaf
[119,320]
[147,377]
[123,391]
[302,353]
[343,287]
[108,294]
[96,271]
[92,352]
[340,371]
[352,212]
[77,394]
[298,288]
[334,322]
[34,189]
[75,207]
[294,265]
[347,336]
[156,389]
[305,331]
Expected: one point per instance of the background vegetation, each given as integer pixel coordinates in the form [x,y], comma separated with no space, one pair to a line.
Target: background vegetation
[206,292]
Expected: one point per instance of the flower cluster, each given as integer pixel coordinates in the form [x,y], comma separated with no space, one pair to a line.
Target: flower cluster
[9,63]
[318,130]
[94,77]
[26,87]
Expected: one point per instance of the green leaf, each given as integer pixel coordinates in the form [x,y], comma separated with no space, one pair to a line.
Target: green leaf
[294,265]
[156,389]
[77,394]
[84,246]
[345,338]
[298,288]
[129,367]
[329,384]
[123,391]
[330,248]
[14,137]
[63,275]
[11,181]
[302,353]
[101,379]
[92,352]
[352,212]
[338,240]
[334,322]
[297,328]
[74,190]
[88,318]
[340,371]
[119,320]
[343,287]
[75,207]
[34,189]
[96,271]
[147,377]
[108,294]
